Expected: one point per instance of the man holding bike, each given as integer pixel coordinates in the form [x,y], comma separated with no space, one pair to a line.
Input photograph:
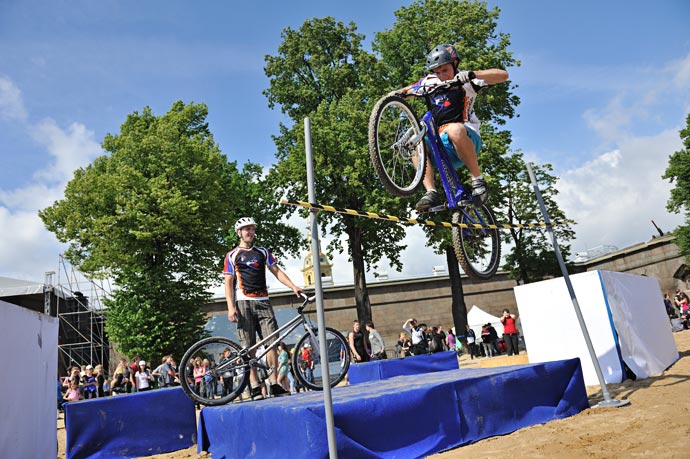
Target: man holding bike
[246,294]
[453,113]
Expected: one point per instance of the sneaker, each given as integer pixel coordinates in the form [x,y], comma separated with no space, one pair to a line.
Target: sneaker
[480,192]
[430,199]
[277,390]
[256,393]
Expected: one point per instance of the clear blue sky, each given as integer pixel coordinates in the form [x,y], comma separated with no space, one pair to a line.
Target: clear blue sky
[605,87]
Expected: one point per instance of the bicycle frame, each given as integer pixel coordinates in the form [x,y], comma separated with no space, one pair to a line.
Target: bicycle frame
[281,333]
[449,177]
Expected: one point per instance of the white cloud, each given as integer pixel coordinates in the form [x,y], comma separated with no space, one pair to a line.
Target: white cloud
[27,249]
[11,101]
[70,148]
[614,196]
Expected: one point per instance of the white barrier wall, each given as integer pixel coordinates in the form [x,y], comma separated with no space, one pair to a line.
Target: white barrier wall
[28,392]
[625,318]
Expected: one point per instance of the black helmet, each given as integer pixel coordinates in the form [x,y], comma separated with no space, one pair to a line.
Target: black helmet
[442,54]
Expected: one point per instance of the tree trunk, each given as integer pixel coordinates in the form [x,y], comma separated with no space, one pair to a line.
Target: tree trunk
[458,307]
[360,282]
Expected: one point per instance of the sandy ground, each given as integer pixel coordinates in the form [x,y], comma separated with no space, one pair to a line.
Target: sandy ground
[655,424]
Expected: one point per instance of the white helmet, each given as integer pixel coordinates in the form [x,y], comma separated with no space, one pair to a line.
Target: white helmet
[244,221]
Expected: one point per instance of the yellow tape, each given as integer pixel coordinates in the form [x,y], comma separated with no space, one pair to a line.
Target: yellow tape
[412,221]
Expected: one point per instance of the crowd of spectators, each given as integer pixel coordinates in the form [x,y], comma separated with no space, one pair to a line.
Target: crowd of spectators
[88,382]
[418,339]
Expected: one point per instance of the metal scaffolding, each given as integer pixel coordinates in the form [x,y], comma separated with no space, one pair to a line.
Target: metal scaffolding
[80,311]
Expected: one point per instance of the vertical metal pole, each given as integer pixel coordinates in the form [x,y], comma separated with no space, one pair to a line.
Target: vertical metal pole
[608,401]
[320,316]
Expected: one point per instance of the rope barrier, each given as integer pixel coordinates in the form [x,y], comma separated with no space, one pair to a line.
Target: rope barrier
[412,221]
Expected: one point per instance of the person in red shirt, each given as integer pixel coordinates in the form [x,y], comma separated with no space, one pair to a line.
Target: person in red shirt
[510,332]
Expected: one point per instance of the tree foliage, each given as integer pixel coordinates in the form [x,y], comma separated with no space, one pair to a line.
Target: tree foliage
[152,215]
[321,71]
[532,257]
[678,171]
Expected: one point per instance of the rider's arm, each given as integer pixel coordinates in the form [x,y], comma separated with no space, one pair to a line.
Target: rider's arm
[491,76]
[284,279]
[229,282]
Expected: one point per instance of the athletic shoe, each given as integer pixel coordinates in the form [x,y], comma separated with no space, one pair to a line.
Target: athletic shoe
[430,199]
[480,192]
[256,393]
[277,390]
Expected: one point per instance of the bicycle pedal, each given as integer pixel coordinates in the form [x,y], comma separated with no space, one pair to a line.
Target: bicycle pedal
[441,208]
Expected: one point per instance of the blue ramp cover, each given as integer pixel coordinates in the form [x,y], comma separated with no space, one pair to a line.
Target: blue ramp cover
[384,369]
[133,425]
[439,411]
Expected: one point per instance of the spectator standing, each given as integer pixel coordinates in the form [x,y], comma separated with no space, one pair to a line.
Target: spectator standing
[435,341]
[450,340]
[472,342]
[227,377]
[157,373]
[510,332]
[358,344]
[246,294]
[442,334]
[403,345]
[121,383]
[71,378]
[378,348]
[419,345]
[89,384]
[143,378]
[670,310]
[487,344]
[73,394]
[283,366]
[494,338]
[307,363]
[102,382]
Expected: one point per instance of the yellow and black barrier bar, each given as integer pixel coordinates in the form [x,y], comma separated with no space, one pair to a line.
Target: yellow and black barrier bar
[412,221]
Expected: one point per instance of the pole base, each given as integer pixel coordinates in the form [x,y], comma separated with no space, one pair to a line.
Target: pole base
[612,403]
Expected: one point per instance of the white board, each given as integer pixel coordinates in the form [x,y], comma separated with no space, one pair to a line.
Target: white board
[29,398]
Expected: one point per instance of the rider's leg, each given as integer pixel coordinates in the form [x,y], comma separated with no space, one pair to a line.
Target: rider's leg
[464,148]
[431,198]
[467,144]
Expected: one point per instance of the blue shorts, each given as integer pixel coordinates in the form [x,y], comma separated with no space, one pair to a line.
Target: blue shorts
[450,149]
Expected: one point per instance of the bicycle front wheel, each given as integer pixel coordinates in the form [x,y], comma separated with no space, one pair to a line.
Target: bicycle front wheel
[478,249]
[225,378]
[308,364]
[398,159]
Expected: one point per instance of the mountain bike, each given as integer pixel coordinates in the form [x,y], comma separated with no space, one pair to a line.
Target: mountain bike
[225,381]
[397,143]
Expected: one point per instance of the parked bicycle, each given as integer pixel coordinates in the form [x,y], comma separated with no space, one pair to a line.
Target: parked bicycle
[396,149]
[229,378]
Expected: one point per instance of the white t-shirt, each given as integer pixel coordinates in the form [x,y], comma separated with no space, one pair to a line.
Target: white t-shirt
[142,380]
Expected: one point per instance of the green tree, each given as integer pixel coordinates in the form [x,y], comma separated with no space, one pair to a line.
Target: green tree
[531,257]
[678,171]
[153,216]
[321,71]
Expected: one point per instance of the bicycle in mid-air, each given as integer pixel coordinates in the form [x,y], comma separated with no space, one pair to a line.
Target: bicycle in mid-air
[397,142]
[234,369]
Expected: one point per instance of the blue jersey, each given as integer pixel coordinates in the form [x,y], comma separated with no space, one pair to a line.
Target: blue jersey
[249,268]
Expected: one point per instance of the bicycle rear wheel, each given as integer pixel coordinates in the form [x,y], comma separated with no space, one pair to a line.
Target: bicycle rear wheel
[226,378]
[398,162]
[478,250]
[309,371]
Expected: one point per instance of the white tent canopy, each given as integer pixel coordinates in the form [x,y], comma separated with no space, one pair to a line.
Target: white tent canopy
[477,318]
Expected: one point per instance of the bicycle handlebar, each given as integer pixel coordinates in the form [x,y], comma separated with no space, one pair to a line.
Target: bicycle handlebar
[307,299]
